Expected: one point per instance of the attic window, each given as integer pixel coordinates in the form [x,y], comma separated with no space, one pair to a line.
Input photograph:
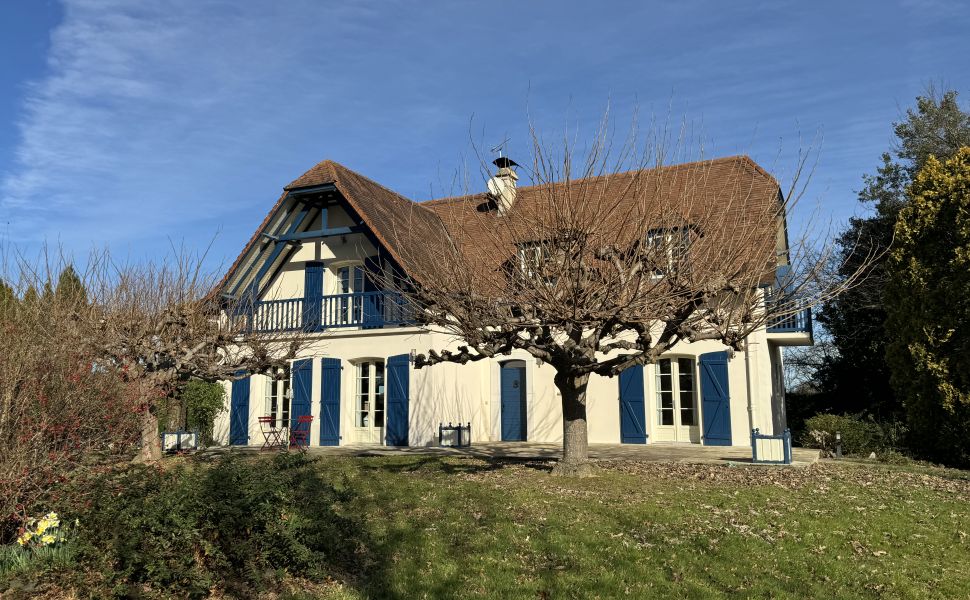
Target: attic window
[667,250]
[532,257]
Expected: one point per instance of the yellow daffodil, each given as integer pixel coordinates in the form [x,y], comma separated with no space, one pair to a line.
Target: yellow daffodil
[47,539]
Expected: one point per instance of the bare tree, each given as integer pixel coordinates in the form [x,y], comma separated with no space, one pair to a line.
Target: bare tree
[160,325]
[609,261]
[56,411]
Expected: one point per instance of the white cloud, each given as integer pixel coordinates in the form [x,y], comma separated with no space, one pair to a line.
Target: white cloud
[149,109]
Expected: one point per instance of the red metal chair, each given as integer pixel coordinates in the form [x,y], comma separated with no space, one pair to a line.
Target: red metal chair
[272,435]
[300,432]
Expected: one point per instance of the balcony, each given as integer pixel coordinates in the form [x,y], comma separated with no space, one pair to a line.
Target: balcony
[792,329]
[799,322]
[365,310]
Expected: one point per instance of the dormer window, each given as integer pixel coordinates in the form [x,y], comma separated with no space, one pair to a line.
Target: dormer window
[534,262]
[667,250]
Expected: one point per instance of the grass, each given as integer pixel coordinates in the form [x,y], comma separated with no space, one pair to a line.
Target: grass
[452,527]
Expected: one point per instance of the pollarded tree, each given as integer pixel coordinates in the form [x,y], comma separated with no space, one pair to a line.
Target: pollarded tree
[161,326]
[928,305]
[608,266]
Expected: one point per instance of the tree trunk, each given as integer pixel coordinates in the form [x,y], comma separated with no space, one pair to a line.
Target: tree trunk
[151,443]
[575,443]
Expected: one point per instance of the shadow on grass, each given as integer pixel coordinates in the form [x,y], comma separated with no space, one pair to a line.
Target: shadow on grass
[449,465]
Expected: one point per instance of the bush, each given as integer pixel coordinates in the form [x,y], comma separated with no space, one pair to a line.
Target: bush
[58,406]
[858,436]
[194,408]
[234,526]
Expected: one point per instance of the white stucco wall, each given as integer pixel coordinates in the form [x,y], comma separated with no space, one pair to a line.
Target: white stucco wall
[462,393]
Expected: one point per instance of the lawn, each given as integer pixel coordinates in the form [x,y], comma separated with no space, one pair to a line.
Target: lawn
[431,527]
[444,528]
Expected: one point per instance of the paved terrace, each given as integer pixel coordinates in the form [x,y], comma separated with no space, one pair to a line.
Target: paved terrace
[688,453]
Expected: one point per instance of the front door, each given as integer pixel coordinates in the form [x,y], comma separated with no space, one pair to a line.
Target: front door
[513,401]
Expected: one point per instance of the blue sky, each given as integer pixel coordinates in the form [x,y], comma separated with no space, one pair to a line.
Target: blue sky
[130,124]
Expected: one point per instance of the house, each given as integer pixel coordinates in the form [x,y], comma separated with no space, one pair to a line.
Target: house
[304,272]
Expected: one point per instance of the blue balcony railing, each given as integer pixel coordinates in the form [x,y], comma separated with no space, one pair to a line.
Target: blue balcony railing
[799,322]
[367,310]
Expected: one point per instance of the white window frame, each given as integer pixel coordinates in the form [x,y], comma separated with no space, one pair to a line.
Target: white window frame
[277,396]
[677,409]
[675,245]
[376,395]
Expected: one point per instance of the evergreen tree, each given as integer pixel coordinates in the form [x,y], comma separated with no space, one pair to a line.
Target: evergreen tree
[928,309]
[857,377]
[70,287]
[8,299]
[30,296]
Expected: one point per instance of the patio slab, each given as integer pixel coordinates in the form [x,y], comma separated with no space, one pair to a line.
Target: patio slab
[690,453]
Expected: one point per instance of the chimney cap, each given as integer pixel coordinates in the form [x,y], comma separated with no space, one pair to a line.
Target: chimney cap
[504,162]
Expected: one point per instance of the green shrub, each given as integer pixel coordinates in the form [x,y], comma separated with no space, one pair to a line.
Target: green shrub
[234,526]
[202,402]
[858,436]
[893,457]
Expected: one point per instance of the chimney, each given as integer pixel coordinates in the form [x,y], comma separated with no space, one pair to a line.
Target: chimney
[502,187]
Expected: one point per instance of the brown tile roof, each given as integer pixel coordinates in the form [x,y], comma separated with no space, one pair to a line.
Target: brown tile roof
[735,184]
[429,231]
[405,228]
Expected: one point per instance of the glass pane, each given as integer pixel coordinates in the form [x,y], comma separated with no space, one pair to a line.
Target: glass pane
[687,416]
[667,416]
[284,402]
[344,280]
[363,394]
[378,394]
[268,406]
[685,370]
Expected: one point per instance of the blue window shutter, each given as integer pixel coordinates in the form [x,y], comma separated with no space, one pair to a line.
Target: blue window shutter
[312,295]
[373,303]
[302,386]
[239,413]
[716,399]
[398,399]
[513,407]
[632,406]
[330,403]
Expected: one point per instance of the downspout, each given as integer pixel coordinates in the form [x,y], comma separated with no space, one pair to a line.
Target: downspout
[747,378]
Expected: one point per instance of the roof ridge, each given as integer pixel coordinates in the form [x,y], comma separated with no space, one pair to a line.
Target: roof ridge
[740,158]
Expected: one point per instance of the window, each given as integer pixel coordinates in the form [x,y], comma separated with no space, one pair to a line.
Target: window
[278,399]
[676,392]
[667,250]
[370,394]
[532,256]
[351,282]
[536,261]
